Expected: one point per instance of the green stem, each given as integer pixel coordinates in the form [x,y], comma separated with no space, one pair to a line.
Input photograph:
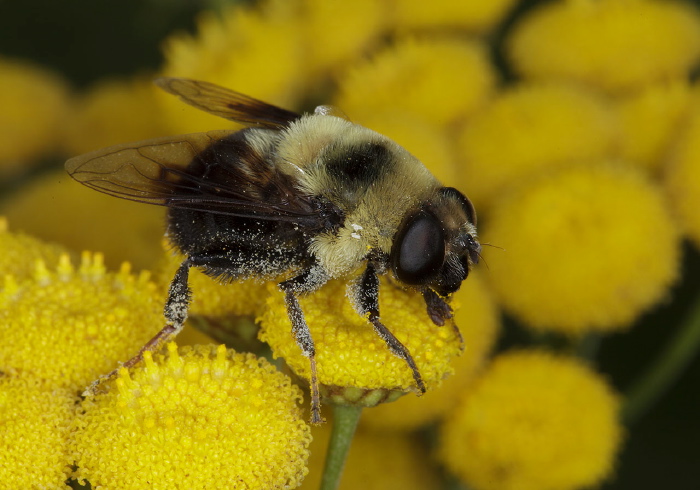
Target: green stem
[345,419]
[587,348]
[669,365]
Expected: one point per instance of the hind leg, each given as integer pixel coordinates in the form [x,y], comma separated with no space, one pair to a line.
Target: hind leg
[175,313]
[307,281]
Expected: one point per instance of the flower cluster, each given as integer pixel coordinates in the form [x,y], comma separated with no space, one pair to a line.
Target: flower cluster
[64,327]
[573,126]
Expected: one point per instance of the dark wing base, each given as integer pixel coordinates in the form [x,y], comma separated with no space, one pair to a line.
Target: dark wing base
[213,172]
[226,103]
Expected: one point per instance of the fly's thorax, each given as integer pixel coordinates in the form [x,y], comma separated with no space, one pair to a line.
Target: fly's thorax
[370,228]
[374,181]
[303,142]
[339,253]
[263,142]
[333,157]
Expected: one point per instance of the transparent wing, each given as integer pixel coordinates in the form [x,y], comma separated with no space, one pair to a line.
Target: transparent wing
[226,103]
[210,172]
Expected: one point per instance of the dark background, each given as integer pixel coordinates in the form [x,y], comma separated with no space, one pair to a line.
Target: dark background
[86,40]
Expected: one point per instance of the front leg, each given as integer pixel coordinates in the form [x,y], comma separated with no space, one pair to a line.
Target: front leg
[438,309]
[307,281]
[365,294]
[440,312]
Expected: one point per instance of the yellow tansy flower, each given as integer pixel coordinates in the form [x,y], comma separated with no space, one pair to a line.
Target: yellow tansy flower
[72,326]
[682,179]
[55,207]
[610,44]
[586,248]
[477,317]
[35,417]
[34,103]
[257,51]
[533,421]
[476,16]
[530,127]
[650,120]
[203,417]
[438,79]
[112,112]
[20,252]
[354,364]
[376,461]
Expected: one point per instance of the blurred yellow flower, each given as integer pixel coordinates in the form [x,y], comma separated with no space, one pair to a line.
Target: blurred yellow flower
[533,421]
[650,120]
[528,128]
[613,45]
[35,417]
[113,111]
[55,207]
[19,252]
[589,247]
[339,32]
[257,51]
[72,326]
[475,16]
[376,461]
[438,79]
[682,178]
[477,317]
[203,417]
[34,103]
[191,335]
[354,364]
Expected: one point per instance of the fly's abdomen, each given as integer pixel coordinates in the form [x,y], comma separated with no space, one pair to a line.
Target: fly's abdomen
[236,247]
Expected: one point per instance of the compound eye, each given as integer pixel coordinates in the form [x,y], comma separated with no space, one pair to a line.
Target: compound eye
[421,250]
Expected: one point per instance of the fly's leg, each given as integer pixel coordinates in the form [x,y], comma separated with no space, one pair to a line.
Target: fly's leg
[366,299]
[176,306]
[440,312]
[175,312]
[308,281]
